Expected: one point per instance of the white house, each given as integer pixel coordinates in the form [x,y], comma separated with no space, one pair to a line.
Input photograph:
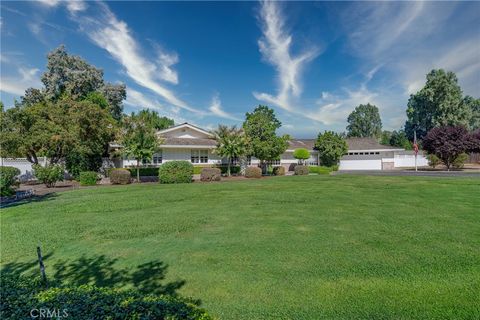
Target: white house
[194,144]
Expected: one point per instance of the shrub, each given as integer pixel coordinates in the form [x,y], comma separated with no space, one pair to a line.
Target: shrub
[460,161]
[301,154]
[198,169]
[21,295]
[175,172]
[7,180]
[278,171]
[210,174]
[433,160]
[233,169]
[49,175]
[320,169]
[120,176]
[88,178]
[253,172]
[144,172]
[301,170]
[331,146]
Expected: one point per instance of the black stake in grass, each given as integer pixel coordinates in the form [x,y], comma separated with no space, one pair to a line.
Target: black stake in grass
[42,267]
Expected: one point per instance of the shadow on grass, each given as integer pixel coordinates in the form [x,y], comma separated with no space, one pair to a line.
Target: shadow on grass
[35,198]
[99,270]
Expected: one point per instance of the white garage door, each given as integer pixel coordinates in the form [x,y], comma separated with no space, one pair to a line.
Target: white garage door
[360,165]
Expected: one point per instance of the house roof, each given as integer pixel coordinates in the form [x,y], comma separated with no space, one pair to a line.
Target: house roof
[183,125]
[367,144]
[352,143]
[301,143]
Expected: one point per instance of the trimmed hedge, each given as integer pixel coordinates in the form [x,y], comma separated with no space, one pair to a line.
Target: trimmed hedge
[175,172]
[253,172]
[322,169]
[301,170]
[88,178]
[48,175]
[7,180]
[210,174]
[21,295]
[278,171]
[120,176]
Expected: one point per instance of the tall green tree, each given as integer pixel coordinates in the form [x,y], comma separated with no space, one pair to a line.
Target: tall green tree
[385,137]
[72,76]
[231,143]
[153,119]
[364,121]
[399,139]
[438,103]
[331,147]
[260,128]
[65,129]
[138,139]
[474,106]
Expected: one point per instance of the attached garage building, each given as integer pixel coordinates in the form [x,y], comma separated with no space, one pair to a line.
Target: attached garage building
[368,154]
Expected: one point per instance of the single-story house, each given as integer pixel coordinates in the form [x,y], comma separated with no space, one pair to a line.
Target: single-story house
[194,144]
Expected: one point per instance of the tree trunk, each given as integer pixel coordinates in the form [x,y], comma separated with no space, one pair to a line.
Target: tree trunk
[138,171]
[228,167]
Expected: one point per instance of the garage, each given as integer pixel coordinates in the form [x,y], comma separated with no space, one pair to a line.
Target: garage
[373,164]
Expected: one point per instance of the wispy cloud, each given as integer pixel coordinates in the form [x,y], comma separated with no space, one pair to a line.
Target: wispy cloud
[139,100]
[17,84]
[216,109]
[275,46]
[334,109]
[114,35]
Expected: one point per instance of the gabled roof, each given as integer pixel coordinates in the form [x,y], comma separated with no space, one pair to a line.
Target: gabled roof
[358,144]
[354,144]
[184,125]
[301,143]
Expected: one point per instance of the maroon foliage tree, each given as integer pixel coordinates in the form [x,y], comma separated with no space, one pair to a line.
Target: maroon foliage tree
[447,143]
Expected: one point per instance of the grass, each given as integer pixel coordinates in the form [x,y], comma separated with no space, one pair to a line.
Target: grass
[306,247]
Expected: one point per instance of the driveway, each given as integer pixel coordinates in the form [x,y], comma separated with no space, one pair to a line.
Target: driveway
[442,174]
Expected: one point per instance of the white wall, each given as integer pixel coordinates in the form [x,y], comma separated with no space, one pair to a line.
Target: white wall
[408,160]
[22,164]
[172,154]
[360,164]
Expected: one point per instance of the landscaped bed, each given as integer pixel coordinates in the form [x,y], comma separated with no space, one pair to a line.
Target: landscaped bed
[301,247]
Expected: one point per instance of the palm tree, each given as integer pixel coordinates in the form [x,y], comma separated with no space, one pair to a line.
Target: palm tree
[139,140]
[231,143]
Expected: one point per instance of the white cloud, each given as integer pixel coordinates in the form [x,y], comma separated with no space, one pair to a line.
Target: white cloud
[335,109]
[35,28]
[113,35]
[216,109]
[16,85]
[75,6]
[49,3]
[408,40]
[138,100]
[275,46]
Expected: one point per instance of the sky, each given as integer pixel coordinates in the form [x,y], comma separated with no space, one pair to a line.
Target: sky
[209,63]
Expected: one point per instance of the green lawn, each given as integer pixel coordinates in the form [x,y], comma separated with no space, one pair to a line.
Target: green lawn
[282,248]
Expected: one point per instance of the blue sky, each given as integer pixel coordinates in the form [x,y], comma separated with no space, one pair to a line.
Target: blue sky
[210,62]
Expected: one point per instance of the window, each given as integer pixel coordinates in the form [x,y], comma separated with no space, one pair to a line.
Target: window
[199,156]
[157,157]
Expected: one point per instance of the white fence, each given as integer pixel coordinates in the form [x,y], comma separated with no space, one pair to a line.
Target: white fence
[25,167]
